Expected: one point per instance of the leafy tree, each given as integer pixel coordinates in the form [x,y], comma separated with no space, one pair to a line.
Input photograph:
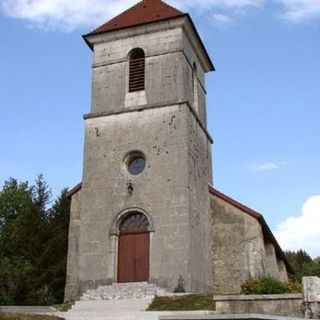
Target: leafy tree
[33,243]
[303,264]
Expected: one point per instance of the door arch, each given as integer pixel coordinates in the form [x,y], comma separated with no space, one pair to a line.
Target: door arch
[133,248]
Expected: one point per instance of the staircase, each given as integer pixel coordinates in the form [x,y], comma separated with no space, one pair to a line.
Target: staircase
[119,291]
[125,301]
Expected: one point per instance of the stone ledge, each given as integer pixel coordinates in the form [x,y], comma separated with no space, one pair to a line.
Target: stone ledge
[243,297]
[225,316]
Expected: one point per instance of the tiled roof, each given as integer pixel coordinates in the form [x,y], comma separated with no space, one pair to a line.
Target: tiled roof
[143,12]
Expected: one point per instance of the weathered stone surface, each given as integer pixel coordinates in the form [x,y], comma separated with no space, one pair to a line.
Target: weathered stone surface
[120,291]
[311,297]
[173,189]
[239,249]
[209,248]
[279,305]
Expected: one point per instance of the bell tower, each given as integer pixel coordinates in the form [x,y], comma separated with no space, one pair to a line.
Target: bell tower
[142,213]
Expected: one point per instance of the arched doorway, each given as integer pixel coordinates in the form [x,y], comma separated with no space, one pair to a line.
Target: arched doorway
[133,248]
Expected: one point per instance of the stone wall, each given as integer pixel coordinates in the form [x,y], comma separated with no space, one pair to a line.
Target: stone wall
[169,62]
[279,305]
[172,191]
[311,297]
[240,251]
[199,173]
[238,247]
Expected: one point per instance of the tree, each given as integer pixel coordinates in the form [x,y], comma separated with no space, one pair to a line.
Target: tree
[302,264]
[33,243]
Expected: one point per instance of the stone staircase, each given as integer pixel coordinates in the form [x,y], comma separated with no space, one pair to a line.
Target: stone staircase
[119,291]
[125,301]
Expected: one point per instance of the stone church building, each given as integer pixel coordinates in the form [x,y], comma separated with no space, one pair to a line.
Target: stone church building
[146,209]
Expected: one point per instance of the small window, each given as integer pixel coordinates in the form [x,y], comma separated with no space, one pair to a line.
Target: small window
[136,70]
[135,163]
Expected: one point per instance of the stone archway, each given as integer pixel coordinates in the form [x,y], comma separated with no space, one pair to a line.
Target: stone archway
[133,248]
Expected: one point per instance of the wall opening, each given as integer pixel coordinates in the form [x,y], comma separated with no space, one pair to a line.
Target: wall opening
[133,248]
[136,70]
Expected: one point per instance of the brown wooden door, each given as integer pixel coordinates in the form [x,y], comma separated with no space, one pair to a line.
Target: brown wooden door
[133,257]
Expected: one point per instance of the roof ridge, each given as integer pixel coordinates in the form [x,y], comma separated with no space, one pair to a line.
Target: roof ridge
[144,11]
[118,15]
[167,5]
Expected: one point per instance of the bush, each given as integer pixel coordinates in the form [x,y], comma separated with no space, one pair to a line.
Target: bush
[293,286]
[269,285]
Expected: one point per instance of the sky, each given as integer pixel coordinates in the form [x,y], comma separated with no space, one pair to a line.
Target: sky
[263,100]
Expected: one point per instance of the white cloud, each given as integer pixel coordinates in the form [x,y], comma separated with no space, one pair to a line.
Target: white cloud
[221,18]
[302,232]
[68,15]
[64,14]
[300,11]
[267,166]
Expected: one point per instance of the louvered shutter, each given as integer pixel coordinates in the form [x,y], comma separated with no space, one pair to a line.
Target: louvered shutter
[137,71]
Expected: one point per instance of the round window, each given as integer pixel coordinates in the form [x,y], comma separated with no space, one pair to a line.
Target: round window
[136,163]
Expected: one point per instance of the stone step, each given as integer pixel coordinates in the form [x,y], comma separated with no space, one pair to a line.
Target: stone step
[120,301]
[113,316]
[125,315]
[123,304]
[123,291]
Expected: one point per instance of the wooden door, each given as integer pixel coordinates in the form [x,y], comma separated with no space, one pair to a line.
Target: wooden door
[133,257]
[133,250]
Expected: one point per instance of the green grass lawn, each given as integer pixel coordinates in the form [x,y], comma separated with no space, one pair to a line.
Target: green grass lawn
[16,316]
[183,303]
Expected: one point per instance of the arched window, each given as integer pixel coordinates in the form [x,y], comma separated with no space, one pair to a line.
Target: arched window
[195,87]
[136,70]
[134,223]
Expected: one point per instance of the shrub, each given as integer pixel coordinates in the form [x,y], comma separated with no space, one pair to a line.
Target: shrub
[269,285]
[293,286]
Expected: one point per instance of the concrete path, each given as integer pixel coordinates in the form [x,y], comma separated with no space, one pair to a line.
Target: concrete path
[29,310]
[227,317]
[124,309]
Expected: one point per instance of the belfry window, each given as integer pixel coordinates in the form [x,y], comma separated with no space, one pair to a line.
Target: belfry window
[136,70]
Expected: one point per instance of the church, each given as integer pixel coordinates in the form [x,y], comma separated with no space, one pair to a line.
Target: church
[146,210]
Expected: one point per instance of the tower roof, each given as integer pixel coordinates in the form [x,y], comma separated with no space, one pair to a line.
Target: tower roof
[145,11]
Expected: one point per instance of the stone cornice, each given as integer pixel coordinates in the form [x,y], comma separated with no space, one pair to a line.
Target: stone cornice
[150,107]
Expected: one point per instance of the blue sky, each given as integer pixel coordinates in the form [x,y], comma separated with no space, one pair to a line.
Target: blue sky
[263,100]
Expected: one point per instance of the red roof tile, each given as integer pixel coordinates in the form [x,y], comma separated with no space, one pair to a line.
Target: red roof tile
[143,12]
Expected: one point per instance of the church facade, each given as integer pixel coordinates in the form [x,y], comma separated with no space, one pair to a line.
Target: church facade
[146,209]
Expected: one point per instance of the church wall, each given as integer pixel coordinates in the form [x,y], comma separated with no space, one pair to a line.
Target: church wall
[199,176]
[272,261]
[161,191]
[283,274]
[192,58]
[72,278]
[238,247]
[163,51]
[173,189]
[169,62]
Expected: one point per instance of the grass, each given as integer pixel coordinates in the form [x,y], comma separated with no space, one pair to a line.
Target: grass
[16,316]
[183,303]
[64,307]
